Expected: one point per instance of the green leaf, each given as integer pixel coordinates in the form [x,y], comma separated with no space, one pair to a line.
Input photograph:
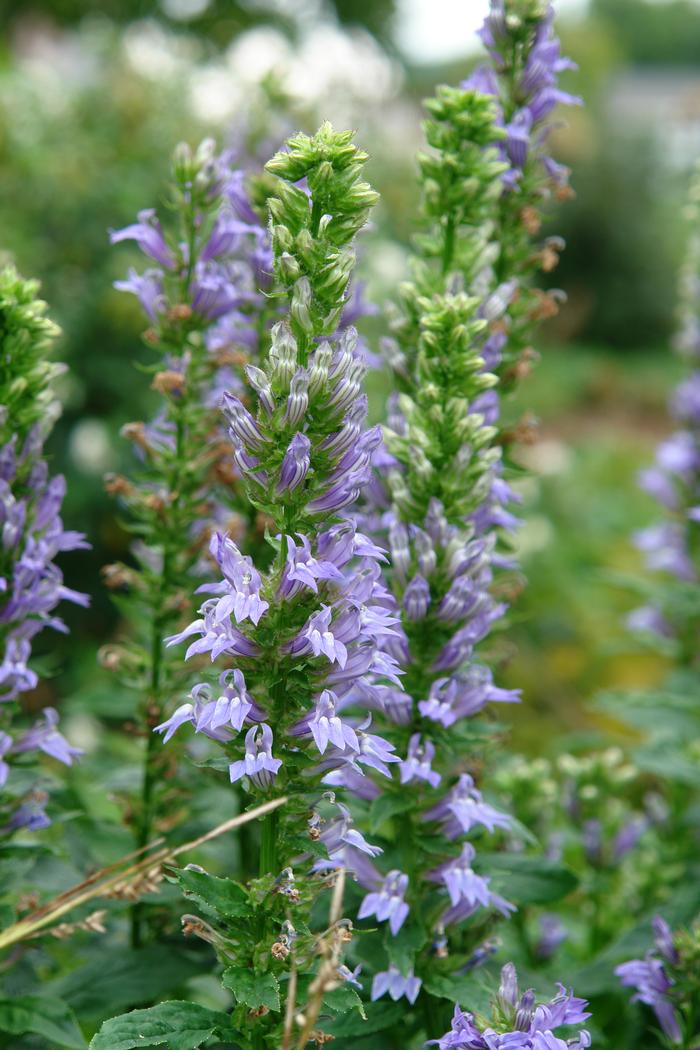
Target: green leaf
[215,895]
[42,1016]
[253,989]
[124,978]
[669,764]
[527,880]
[386,806]
[379,1017]
[463,990]
[340,1000]
[177,1025]
[403,947]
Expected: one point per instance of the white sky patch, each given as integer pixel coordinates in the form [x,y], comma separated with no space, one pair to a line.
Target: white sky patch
[440,30]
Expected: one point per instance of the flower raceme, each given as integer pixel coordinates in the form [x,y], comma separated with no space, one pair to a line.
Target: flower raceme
[674,480]
[444,505]
[32,534]
[304,640]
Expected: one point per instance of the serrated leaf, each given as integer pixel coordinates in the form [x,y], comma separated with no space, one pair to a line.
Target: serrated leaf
[253,989]
[340,1000]
[44,1016]
[177,1025]
[386,806]
[217,896]
[527,880]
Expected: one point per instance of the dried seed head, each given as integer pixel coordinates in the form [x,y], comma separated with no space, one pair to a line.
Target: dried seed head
[180,312]
[116,485]
[168,382]
[531,220]
[260,1011]
[135,432]
[118,575]
[110,657]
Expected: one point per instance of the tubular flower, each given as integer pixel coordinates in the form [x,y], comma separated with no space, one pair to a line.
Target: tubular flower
[659,980]
[520,1023]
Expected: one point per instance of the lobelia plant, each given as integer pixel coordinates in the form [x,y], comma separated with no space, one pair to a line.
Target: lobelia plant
[299,640]
[210,300]
[206,303]
[671,547]
[522,77]
[32,535]
[666,979]
[446,519]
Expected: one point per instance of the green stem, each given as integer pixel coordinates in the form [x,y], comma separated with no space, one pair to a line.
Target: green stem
[268,844]
[448,249]
[155,697]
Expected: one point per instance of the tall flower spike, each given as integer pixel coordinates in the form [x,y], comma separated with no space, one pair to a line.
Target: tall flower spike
[32,534]
[321,610]
[443,467]
[206,304]
[522,76]
[669,547]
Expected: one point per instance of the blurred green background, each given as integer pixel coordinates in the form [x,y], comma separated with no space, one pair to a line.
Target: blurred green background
[93,97]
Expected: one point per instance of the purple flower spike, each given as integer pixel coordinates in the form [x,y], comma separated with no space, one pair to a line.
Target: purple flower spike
[398,986]
[295,465]
[388,902]
[258,764]
[148,234]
